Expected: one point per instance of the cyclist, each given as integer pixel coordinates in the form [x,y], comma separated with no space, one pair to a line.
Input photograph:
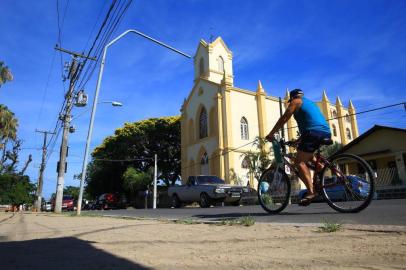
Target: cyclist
[313,129]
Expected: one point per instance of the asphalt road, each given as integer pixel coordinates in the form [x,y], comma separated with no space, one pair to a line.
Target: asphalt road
[382,212]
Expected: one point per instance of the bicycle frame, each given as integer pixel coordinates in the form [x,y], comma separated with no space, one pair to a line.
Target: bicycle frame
[283,159]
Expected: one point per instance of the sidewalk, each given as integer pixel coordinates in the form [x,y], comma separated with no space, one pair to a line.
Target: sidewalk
[50,241]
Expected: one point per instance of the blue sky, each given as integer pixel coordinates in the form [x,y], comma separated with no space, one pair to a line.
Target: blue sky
[354,49]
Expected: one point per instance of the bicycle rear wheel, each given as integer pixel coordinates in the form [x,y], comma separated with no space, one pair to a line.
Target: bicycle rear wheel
[274,190]
[347,183]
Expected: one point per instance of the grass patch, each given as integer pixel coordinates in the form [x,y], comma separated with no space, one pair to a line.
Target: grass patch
[243,221]
[329,227]
[187,221]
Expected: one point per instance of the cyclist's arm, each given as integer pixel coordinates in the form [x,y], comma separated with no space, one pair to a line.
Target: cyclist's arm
[293,106]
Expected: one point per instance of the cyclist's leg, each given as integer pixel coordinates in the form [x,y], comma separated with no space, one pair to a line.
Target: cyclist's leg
[304,173]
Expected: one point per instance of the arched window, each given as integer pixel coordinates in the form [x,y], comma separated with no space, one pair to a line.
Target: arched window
[245,164]
[205,159]
[220,64]
[201,67]
[203,124]
[334,130]
[244,129]
[204,164]
[333,113]
[348,133]
[347,118]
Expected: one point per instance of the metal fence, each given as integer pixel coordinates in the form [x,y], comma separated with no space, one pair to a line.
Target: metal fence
[387,177]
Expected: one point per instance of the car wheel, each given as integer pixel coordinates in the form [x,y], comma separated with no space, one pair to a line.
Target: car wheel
[175,202]
[204,200]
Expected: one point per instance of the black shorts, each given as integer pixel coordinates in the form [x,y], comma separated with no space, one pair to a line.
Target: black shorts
[310,141]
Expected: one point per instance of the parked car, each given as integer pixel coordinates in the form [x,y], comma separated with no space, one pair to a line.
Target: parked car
[337,193]
[205,190]
[68,203]
[110,201]
[47,206]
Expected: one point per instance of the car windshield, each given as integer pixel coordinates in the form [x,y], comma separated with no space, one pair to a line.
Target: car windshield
[210,180]
[67,197]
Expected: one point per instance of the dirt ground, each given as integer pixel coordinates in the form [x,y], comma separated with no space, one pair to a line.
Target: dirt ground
[48,241]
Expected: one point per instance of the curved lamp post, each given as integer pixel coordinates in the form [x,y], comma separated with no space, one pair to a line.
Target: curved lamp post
[89,134]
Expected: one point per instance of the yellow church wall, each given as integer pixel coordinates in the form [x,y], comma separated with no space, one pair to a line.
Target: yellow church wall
[202,97]
[243,105]
[272,113]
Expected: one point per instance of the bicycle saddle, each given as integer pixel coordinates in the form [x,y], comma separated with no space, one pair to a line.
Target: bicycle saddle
[327,141]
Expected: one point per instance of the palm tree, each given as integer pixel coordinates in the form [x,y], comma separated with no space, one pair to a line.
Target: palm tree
[8,126]
[5,74]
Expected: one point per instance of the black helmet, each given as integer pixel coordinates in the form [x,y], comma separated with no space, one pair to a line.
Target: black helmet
[295,93]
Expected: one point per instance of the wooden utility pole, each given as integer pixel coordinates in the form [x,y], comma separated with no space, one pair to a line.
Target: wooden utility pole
[41,169]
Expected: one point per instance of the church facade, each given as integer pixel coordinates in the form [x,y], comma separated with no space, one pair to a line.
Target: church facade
[219,120]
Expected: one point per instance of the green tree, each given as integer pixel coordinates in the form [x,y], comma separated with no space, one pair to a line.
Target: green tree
[259,160]
[16,189]
[135,180]
[8,124]
[5,74]
[135,145]
[10,145]
[71,190]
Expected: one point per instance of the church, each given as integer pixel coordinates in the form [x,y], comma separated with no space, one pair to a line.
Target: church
[219,120]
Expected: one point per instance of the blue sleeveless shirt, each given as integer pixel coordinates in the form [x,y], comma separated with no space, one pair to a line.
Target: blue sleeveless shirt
[310,118]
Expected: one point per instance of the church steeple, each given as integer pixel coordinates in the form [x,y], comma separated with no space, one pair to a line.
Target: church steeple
[260,89]
[338,102]
[287,95]
[325,98]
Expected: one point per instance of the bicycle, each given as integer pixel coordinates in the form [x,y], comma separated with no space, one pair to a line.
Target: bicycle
[345,181]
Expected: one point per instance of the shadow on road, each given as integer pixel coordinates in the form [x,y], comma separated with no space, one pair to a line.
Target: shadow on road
[61,254]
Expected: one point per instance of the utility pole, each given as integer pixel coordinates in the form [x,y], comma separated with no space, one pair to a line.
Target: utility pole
[66,118]
[155,180]
[41,170]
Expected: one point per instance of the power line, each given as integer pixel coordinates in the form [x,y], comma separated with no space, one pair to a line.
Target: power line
[113,24]
[95,23]
[45,90]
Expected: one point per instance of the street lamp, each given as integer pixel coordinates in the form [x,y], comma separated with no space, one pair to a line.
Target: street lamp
[113,103]
[89,134]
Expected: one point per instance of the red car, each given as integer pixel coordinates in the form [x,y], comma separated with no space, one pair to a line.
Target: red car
[68,203]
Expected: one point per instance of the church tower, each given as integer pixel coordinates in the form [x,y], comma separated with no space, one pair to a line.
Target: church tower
[213,61]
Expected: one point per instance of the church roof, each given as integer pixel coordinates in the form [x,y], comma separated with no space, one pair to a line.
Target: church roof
[205,44]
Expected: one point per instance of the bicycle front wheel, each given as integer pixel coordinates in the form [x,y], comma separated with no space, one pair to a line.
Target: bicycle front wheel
[347,183]
[274,190]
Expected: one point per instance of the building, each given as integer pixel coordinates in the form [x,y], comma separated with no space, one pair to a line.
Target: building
[219,120]
[387,157]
